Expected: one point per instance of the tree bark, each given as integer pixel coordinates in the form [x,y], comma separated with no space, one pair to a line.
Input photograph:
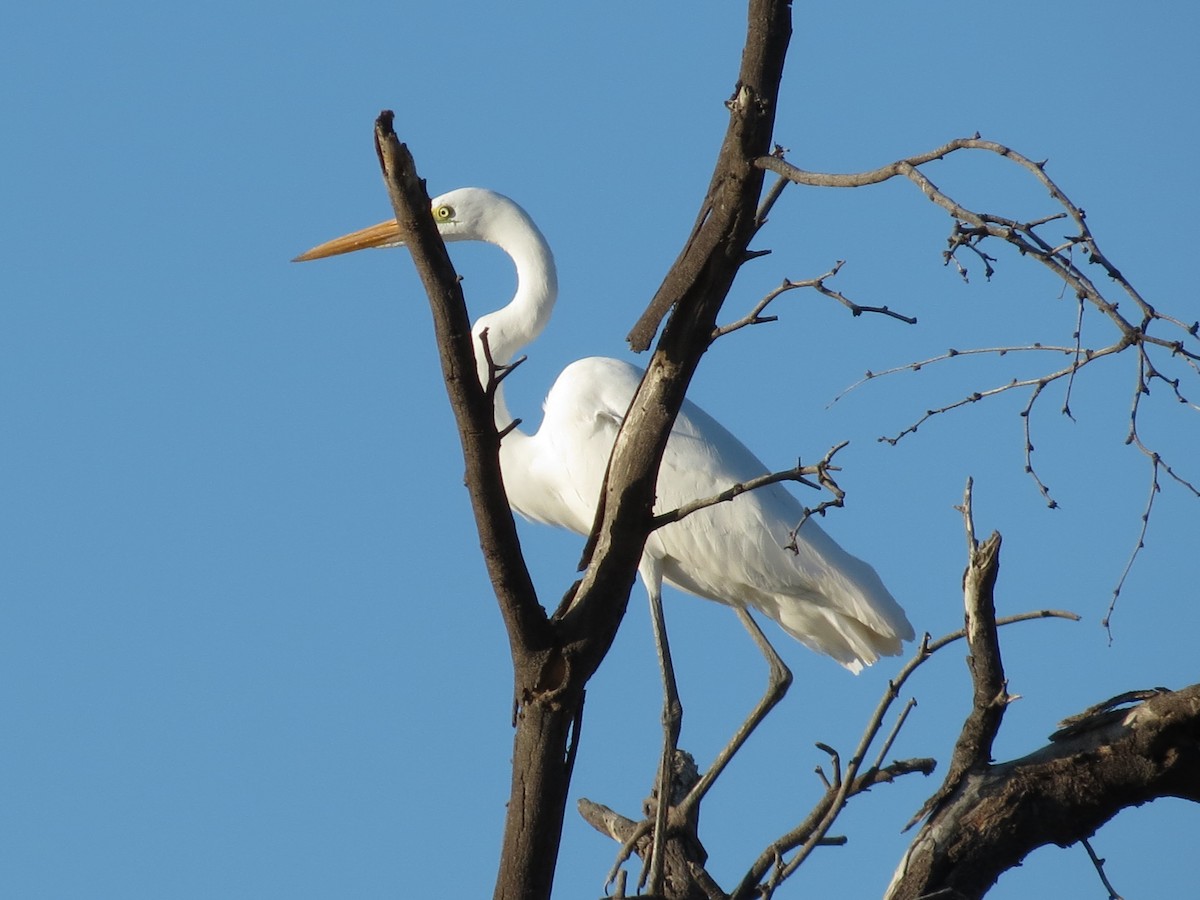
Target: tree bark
[553,658]
[549,699]
[1106,761]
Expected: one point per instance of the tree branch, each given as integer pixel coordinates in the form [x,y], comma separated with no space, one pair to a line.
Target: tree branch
[986,818]
[973,750]
[1059,794]
[728,216]
[797,474]
[695,287]
[771,868]
[524,618]
[1140,333]
[548,687]
[756,317]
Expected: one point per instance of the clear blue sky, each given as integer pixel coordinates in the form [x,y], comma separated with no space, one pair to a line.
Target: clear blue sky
[247,646]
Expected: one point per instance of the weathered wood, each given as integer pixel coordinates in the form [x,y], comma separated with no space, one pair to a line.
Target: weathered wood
[1059,794]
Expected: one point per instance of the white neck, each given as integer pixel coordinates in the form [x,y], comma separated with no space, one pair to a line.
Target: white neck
[513,326]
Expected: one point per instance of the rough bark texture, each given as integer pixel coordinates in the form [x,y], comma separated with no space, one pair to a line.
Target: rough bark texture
[1058,795]
[986,818]
[541,752]
[473,411]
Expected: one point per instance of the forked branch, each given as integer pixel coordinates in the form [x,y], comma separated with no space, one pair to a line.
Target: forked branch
[799,473]
[1154,338]
[773,866]
[756,317]
[1061,793]
[986,817]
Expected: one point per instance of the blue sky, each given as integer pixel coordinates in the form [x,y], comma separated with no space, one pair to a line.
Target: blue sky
[248,647]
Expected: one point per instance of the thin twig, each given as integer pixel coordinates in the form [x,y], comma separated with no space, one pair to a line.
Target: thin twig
[1078,336]
[797,474]
[894,733]
[975,396]
[1137,548]
[972,228]
[1026,415]
[755,316]
[1099,864]
[950,354]
[806,836]
[768,200]
[823,468]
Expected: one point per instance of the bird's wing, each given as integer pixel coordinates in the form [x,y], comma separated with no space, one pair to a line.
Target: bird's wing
[742,551]
[566,459]
[734,552]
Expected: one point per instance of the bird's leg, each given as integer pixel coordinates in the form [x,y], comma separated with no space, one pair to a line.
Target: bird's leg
[672,720]
[779,679]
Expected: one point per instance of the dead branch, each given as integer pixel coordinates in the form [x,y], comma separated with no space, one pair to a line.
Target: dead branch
[684,857]
[1059,794]
[951,354]
[525,619]
[771,868]
[973,749]
[756,317]
[1111,710]
[986,818]
[728,217]
[797,474]
[824,467]
[1037,383]
[1148,333]
[1098,863]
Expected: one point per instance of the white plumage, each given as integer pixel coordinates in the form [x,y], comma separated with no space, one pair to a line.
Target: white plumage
[734,553]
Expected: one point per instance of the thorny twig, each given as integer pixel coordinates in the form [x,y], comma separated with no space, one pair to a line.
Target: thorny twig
[1141,332]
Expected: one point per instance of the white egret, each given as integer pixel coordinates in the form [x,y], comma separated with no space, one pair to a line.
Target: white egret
[735,553]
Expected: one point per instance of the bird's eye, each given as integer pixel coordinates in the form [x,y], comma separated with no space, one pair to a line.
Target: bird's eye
[444,213]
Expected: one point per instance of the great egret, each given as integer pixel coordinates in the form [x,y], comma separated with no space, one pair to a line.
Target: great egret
[736,553]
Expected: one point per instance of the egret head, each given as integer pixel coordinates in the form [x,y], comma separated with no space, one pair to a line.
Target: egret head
[465,214]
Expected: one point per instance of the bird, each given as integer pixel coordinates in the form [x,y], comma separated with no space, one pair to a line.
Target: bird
[746,553]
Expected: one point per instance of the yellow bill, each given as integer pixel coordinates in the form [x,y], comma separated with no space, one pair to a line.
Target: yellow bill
[385,234]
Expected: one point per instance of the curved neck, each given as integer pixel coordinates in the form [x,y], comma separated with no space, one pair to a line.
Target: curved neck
[513,326]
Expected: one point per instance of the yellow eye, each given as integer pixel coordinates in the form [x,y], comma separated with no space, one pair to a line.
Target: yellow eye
[443,213]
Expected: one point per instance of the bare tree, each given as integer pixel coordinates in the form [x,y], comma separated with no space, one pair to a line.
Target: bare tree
[985,817]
